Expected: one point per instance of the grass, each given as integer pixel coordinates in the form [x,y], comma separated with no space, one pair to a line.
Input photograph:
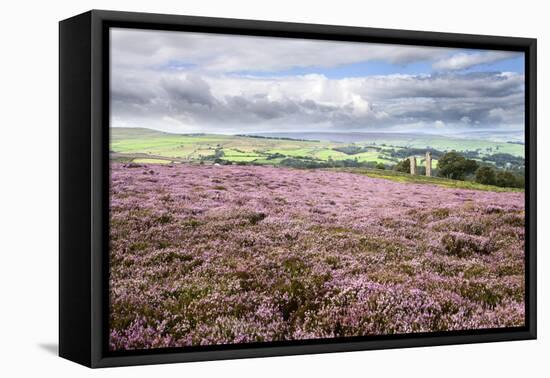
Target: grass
[152,161]
[142,140]
[417,179]
[134,144]
[300,150]
[458,144]
[374,156]
[238,155]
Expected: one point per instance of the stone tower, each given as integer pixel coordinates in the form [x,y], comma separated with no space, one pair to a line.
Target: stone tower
[413,165]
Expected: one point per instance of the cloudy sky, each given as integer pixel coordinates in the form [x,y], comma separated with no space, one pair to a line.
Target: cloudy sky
[195,82]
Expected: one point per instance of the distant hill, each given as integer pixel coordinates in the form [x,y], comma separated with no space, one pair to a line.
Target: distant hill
[510,136]
[120,133]
[346,137]
[318,145]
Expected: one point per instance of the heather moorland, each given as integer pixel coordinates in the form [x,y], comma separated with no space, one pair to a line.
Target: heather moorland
[219,254]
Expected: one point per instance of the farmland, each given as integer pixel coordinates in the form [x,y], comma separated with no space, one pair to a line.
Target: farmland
[205,254]
[128,144]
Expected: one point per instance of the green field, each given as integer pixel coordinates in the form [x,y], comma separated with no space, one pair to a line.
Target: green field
[145,145]
[447,144]
[417,179]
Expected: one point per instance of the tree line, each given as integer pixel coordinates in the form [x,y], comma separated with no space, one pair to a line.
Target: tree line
[455,166]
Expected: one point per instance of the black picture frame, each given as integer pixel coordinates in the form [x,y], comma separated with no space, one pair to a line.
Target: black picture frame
[84,180]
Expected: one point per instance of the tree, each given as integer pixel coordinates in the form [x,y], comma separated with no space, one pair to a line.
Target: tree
[403,166]
[507,179]
[486,175]
[380,165]
[455,166]
[219,153]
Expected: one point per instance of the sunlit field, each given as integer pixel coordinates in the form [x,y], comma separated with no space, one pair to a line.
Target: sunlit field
[135,143]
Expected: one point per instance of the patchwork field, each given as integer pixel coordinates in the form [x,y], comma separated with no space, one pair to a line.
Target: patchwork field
[128,144]
[206,254]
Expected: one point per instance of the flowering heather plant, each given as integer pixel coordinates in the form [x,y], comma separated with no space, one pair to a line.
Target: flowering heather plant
[204,255]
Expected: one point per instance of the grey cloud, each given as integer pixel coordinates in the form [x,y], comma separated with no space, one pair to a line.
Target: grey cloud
[444,86]
[224,53]
[146,90]
[203,103]
[128,97]
[262,107]
[191,89]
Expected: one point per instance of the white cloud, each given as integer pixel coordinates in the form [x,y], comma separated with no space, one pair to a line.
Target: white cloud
[463,61]
[148,89]
[230,103]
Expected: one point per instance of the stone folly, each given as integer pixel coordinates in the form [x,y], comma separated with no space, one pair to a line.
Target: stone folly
[413,165]
[428,164]
[428,161]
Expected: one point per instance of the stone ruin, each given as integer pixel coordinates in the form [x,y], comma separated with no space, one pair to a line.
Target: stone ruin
[428,161]
[428,164]
[413,165]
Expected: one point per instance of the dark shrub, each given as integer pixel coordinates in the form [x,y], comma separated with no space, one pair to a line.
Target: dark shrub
[351,150]
[461,245]
[254,218]
[133,165]
[507,179]
[403,166]
[486,175]
[455,166]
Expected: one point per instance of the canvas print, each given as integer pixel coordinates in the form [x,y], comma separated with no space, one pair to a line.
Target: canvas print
[273,189]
